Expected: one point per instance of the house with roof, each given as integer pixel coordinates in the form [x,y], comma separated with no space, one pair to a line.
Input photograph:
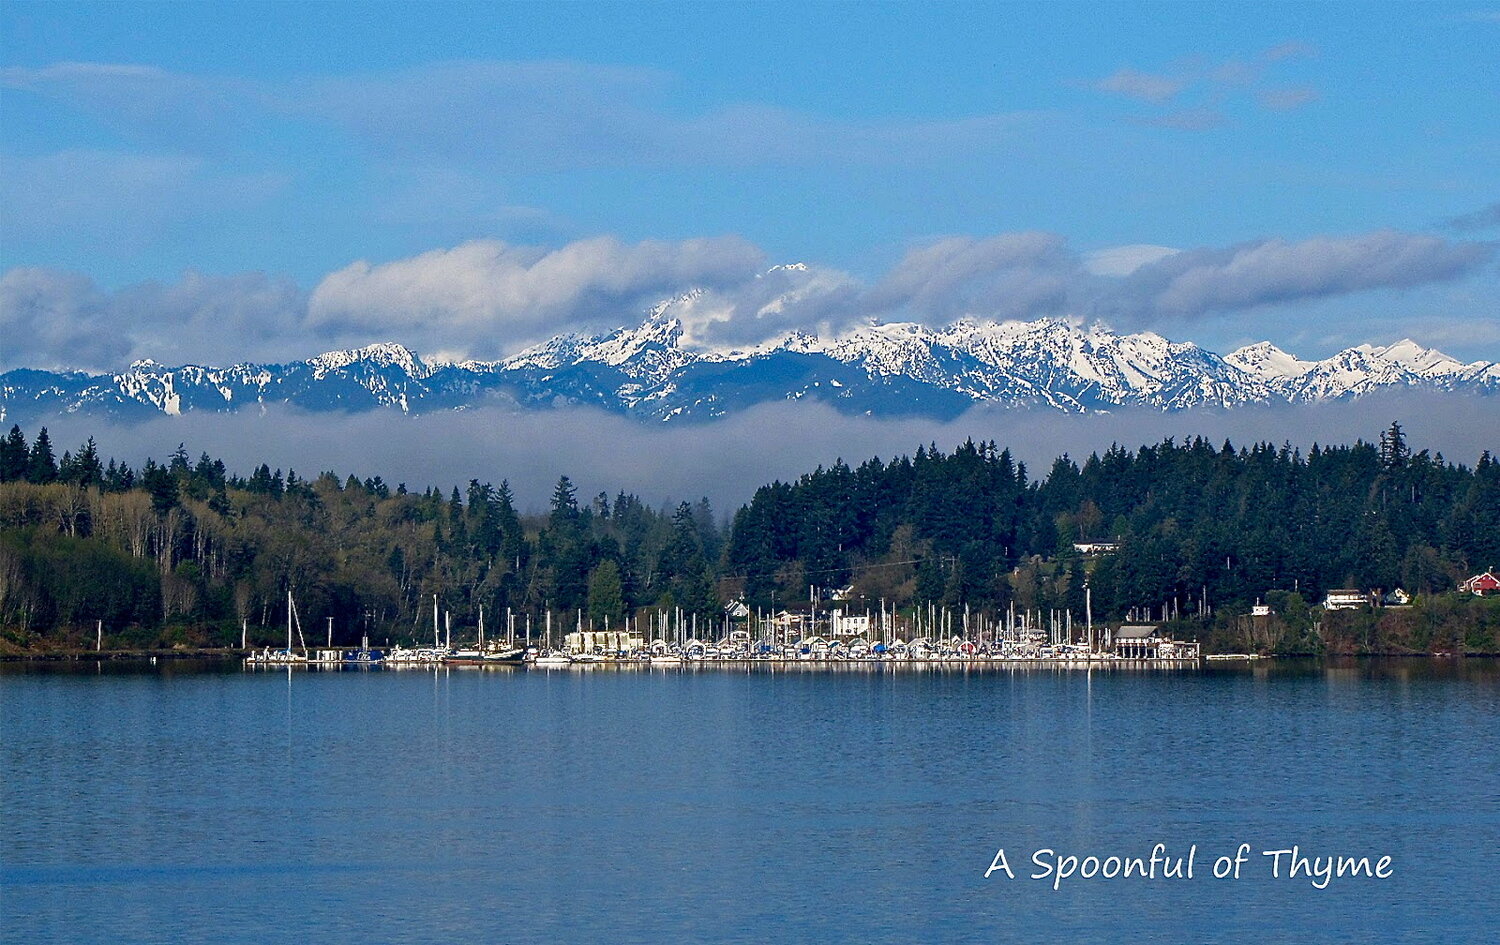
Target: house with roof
[1480,585]
[1145,642]
[1396,598]
[1347,598]
[1092,549]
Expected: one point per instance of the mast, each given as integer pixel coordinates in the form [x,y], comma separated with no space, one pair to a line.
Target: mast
[435,641]
[1088,613]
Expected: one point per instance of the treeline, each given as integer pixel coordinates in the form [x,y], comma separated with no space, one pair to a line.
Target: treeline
[1197,526]
[185,552]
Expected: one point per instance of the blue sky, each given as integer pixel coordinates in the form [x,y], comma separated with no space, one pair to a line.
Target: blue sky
[205,181]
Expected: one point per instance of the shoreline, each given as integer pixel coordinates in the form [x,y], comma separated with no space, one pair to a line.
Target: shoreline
[227,653]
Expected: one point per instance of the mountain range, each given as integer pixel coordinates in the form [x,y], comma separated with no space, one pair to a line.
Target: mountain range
[653,372]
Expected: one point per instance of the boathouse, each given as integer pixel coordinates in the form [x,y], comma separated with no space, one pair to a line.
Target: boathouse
[1145,642]
[1136,642]
[601,641]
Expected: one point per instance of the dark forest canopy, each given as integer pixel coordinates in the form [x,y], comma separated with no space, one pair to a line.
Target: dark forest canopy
[188,546]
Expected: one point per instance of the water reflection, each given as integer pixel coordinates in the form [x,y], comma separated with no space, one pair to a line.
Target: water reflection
[1333,670]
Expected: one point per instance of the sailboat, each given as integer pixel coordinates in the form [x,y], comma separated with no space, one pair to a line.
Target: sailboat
[498,653]
[666,656]
[286,656]
[549,658]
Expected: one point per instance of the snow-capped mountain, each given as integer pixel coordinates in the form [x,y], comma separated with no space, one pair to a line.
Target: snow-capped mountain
[652,371]
[1362,369]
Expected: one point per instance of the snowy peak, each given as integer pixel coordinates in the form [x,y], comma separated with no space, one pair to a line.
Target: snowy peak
[1413,357]
[654,371]
[384,355]
[1267,362]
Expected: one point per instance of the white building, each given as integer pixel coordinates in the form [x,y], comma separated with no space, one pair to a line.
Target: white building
[1346,599]
[849,626]
[1092,548]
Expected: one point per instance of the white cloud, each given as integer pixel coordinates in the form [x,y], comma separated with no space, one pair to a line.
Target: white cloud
[496,295]
[1197,282]
[56,320]
[488,298]
[62,320]
[1014,275]
[1123,260]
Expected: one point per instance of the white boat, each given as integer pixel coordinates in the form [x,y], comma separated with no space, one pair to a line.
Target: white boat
[552,660]
[284,657]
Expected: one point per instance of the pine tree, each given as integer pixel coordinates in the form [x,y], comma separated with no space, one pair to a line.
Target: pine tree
[15,460]
[606,595]
[1393,450]
[42,468]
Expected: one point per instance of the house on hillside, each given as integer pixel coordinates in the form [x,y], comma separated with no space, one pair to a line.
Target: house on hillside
[1396,598]
[1347,598]
[1480,585]
[1092,549]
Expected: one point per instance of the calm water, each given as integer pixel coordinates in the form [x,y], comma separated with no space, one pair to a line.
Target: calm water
[200,802]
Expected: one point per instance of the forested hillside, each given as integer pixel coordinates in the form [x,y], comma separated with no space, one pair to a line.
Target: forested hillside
[1193,522]
[185,551]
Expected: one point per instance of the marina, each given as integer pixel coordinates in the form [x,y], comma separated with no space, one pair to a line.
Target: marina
[778,639]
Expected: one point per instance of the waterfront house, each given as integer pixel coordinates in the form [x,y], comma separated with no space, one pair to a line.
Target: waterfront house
[1144,642]
[846,626]
[1135,642]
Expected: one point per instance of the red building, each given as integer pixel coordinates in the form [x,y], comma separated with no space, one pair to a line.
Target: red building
[1480,585]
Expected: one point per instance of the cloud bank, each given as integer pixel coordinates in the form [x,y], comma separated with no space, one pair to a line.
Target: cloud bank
[487,298]
[669,463]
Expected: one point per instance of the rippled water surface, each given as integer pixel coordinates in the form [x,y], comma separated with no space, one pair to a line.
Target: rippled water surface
[199,802]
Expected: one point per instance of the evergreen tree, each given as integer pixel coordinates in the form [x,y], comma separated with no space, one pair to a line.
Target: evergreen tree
[606,595]
[42,466]
[15,459]
[161,485]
